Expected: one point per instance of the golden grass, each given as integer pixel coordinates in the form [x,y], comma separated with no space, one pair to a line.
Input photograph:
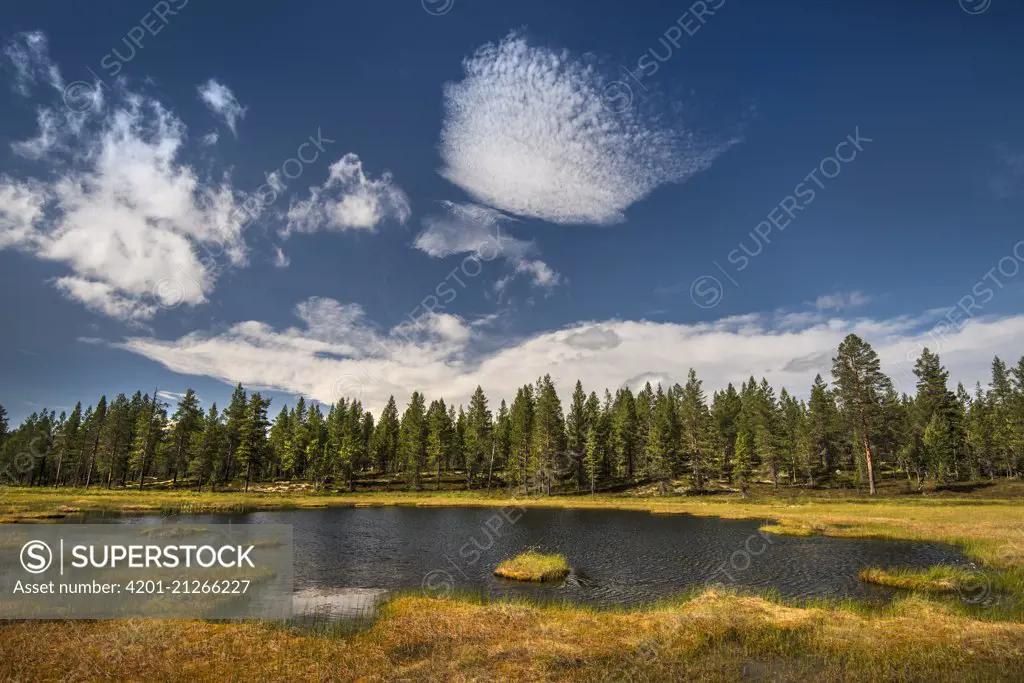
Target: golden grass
[534,566]
[714,636]
[939,579]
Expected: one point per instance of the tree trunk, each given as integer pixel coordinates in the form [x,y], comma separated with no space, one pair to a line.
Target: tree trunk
[867,458]
[490,468]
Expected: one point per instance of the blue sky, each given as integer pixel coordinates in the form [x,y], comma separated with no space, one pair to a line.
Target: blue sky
[604,190]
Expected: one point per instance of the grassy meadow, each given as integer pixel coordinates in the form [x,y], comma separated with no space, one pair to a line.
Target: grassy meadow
[946,623]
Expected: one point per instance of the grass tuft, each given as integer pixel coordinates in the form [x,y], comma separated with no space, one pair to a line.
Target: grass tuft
[534,566]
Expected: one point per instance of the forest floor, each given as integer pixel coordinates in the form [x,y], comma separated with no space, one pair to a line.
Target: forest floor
[975,632]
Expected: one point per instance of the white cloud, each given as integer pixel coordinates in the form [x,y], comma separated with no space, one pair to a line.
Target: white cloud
[527,131]
[348,200]
[223,103]
[210,138]
[841,301]
[28,55]
[475,229]
[281,260]
[120,209]
[339,347]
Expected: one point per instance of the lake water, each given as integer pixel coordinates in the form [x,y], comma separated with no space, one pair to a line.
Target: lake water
[349,557]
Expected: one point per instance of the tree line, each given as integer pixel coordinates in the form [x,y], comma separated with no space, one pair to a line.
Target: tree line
[856,427]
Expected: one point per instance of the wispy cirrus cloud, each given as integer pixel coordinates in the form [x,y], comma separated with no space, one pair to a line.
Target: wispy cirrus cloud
[222,102]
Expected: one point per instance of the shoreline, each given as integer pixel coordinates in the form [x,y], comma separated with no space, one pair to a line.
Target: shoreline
[990,531]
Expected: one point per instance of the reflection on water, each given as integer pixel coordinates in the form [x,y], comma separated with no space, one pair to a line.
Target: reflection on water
[345,558]
[346,603]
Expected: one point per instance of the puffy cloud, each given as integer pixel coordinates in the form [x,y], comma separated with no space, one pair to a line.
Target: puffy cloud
[348,200]
[475,229]
[339,352]
[527,131]
[222,102]
[281,260]
[118,207]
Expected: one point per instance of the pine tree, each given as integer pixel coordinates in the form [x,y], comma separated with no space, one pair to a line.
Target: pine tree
[725,412]
[981,434]
[412,441]
[502,441]
[187,421]
[252,444]
[643,406]
[860,385]
[823,418]
[477,443]
[742,460]
[807,459]
[94,429]
[624,434]
[234,419]
[149,435]
[70,439]
[206,448]
[662,442]
[439,437]
[117,439]
[385,438]
[598,431]
[280,442]
[547,443]
[697,430]
[520,432]
[577,429]
[318,459]
[293,459]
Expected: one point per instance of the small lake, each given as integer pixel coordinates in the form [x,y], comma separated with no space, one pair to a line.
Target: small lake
[618,557]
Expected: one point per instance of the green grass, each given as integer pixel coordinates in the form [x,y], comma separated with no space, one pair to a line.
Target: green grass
[534,566]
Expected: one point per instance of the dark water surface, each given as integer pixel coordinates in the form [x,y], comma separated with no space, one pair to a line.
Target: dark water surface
[618,557]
